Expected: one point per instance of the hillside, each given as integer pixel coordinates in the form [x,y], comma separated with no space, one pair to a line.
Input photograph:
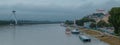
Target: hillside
[106,18]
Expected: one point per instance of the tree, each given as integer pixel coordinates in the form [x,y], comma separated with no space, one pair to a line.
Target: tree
[68,22]
[83,20]
[79,22]
[114,19]
[92,25]
[102,23]
[87,19]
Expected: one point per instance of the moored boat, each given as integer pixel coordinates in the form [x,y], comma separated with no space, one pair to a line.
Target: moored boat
[84,38]
[75,31]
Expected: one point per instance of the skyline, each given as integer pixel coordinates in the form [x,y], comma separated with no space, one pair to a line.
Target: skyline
[53,9]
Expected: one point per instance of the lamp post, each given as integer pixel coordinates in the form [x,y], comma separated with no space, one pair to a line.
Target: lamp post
[96,24]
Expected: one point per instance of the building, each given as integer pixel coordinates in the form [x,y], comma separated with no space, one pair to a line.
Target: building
[87,24]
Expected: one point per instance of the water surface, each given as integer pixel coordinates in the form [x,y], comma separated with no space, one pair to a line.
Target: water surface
[41,34]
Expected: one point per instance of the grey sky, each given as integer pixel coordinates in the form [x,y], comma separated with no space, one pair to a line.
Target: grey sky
[53,9]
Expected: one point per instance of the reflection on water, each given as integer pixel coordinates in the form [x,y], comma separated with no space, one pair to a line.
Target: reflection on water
[68,34]
[42,34]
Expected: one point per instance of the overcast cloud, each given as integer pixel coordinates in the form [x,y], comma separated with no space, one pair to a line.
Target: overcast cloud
[53,9]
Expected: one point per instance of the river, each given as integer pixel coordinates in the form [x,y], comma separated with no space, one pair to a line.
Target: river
[41,34]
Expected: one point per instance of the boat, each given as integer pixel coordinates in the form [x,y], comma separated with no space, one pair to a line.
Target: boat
[75,31]
[84,38]
[67,30]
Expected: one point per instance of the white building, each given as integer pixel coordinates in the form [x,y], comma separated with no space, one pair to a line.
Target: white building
[87,24]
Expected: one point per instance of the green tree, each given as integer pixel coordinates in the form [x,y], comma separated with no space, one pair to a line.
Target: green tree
[102,23]
[79,22]
[68,22]
[83,20]
[87,19]
[114,19]
[93,25]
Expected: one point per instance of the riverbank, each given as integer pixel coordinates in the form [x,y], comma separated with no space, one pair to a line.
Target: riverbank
[110,39]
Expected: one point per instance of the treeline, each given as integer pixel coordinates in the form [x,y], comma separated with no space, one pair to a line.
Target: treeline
[2,22]
[80,22]
[20,22]
[93,24]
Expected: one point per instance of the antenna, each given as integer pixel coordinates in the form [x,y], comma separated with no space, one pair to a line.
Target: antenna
[15,18]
